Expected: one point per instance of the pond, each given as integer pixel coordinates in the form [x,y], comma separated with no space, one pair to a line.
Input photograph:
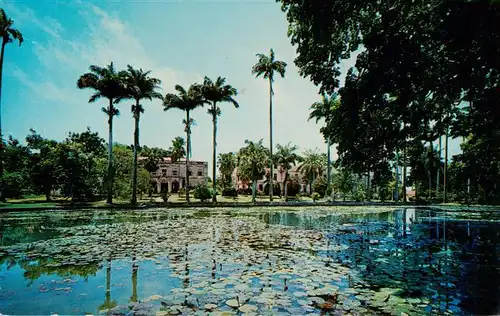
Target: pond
[265,261]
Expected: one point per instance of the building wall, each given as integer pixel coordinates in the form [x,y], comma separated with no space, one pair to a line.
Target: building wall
[279,177]
[171,176]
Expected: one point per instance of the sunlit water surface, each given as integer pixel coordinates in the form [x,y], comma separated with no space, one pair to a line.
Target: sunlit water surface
[260,261]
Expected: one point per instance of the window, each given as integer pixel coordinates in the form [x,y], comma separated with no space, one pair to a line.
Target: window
[200,173]
[190,173]
[174,173]
[164,172]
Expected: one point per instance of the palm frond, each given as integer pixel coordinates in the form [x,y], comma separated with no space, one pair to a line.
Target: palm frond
[96,96]
[16,34]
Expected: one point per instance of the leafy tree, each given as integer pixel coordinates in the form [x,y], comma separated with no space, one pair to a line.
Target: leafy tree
[16,158]
[312,166]
[143,181]
[139,86]
[43,163]
[227,164]
[324,110]
[266,67]
[178,149]
[252,161]
[286,157]
[320,186]
[343,181]
[202,193]
[185,101]
[9,35]
[106,83]
[123,162]
[217,92]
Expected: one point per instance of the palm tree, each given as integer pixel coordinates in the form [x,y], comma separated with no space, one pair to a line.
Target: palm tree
[217,92]
[9,35]
[185,101]
[324,110]
[252,161]
[106,83]
[177,150]
[266,67]
[139,86]
[286,158]
[227,164]
[312,166]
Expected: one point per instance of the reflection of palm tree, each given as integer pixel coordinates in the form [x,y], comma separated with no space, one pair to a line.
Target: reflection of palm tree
[135,269]
[108,303]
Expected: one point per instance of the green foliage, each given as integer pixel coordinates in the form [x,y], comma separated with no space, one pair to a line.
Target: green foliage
[343,181]
[229,192]
[182,192]
[143,181]
[315,196]
[276,191]
[178,149]
[252,161]
[293,187]
[122,163]
[319,186]
[202,192]
[227,164]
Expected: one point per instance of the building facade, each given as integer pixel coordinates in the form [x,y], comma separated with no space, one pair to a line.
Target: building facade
[171,176]
[279,177]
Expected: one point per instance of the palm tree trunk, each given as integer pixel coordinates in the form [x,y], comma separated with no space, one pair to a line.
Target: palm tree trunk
[214,153]
[188,148]
[439,167]
[110,153]
[328,167]
[430,168]
[445,197]
[136,145]
[368,192]
[404,174]
[254,188]
[285,185]
[2,197]
[271,187]
[396,197]
[135,268]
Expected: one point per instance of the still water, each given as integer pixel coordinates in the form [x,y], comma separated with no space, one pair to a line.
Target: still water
[259,261]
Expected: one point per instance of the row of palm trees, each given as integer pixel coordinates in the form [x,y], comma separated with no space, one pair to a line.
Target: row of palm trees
[137,85]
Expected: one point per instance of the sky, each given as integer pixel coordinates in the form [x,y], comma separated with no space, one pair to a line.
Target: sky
[181,42]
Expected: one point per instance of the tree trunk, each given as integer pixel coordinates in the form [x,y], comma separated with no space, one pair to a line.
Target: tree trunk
[271,187]
[368,192]
[254,188]
[188,150]
[2,197]
[445,171]
[404,174]
[110,153]
[328,166]
[285,185]
[396,196]
[214,152]
[136,145]
[135,268]
[439,167]
[430,169]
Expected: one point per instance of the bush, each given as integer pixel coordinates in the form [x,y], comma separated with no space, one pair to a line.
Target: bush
[319,186]
[165,196]
[276,191]
[247,191]
[202,193]
[229,192]
[315,196]
[329,190]
[293,187]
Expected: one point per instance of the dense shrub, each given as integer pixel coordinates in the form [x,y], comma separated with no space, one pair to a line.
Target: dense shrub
[229,192]
[202,193]
[319,186]
[247,191]
[276,191]
[315,196]
[293,187]
[182,192]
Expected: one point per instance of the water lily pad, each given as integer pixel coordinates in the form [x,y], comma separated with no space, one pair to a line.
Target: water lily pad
[247,308]
[232,303]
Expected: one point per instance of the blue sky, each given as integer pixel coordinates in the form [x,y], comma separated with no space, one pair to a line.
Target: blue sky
[181,42]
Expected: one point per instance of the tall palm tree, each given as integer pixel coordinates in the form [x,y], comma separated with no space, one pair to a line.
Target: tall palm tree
[266,66]
[286,157]
[312,166]
[139,86]
[177,150]
[324,110]
[227,164]
[185,101]
[252,161]
[9,35]
[106,83]
[217,92]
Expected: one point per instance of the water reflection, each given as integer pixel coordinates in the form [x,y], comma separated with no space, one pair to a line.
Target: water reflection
[450,259]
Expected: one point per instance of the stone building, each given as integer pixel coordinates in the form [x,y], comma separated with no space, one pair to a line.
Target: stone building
[171,176]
